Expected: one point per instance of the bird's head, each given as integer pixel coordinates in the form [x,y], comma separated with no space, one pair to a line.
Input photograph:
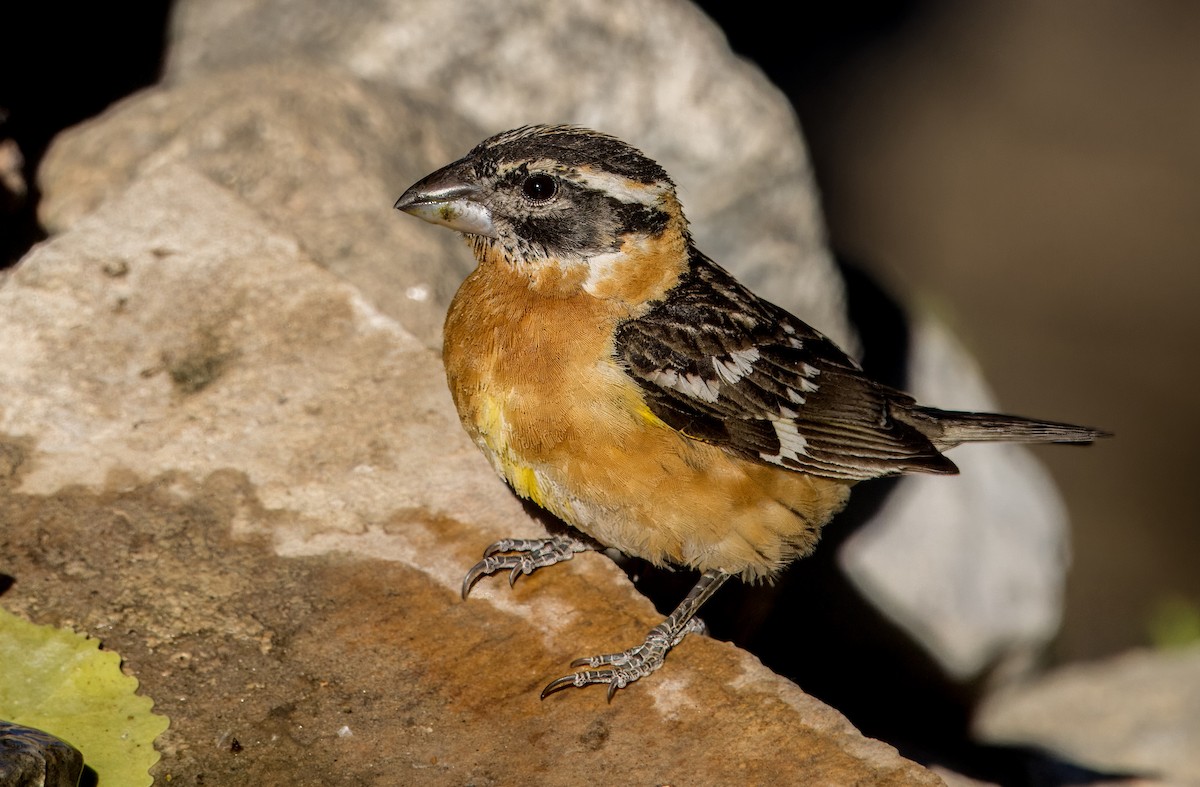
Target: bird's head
[560,198]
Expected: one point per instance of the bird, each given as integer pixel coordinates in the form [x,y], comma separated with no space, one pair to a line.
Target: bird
[619,378]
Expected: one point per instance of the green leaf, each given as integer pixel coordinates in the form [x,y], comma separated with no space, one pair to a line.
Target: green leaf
[61,682]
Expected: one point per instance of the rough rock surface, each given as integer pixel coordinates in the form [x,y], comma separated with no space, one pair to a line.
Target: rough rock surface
[320,155]
[220,459]
[32,757]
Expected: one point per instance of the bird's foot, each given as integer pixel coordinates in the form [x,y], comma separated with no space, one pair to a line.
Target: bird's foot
[618,670]
[522,556]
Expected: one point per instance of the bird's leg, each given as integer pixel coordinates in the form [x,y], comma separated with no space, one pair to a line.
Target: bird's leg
[621,669]
[528,555]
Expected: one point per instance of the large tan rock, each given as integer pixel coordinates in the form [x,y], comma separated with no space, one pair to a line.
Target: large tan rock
[221,460]
[320,155]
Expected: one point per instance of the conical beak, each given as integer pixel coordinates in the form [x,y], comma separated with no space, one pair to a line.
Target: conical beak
[449,198]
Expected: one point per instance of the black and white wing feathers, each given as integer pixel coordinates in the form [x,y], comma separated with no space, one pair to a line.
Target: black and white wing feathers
[723,366]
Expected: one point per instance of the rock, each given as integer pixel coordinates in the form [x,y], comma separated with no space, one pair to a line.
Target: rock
[202,309]
[13,189]
[319,155]
[251,483]
[1135,713]
[33,757]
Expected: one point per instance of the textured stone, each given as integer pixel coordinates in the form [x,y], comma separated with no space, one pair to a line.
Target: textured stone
[230,467]
[319,155]
[32,757]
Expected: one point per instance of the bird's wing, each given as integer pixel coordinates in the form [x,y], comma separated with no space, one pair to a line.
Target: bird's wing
[721,365]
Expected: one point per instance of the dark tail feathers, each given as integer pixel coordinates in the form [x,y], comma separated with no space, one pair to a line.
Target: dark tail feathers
[948,428]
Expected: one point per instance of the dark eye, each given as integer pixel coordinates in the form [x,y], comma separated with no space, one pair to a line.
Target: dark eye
[539,187]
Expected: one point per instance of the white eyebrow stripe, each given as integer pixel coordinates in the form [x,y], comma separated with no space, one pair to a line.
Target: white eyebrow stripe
[616,186]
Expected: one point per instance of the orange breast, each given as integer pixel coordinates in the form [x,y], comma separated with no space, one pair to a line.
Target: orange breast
[533,377]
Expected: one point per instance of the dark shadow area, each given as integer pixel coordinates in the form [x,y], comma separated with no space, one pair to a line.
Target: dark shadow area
[817,39]
[63,63]
[89,777]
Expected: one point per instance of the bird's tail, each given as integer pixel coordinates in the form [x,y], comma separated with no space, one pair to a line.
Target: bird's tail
[948,428]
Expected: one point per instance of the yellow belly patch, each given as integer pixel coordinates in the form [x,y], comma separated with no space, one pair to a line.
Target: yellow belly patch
[525,483]
[493,429]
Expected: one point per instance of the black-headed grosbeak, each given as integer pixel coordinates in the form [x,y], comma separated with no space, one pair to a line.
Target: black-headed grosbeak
[619,378]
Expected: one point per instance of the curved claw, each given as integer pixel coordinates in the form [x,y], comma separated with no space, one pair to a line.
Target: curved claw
[621,669]
[474,575]
[558,685]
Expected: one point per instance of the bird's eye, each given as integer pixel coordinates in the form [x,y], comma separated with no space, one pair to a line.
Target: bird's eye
[539,187]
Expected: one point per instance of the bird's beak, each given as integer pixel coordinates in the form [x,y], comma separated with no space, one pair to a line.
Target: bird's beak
[449,198]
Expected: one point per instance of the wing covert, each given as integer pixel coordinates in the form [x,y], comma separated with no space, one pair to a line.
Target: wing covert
[721,365]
